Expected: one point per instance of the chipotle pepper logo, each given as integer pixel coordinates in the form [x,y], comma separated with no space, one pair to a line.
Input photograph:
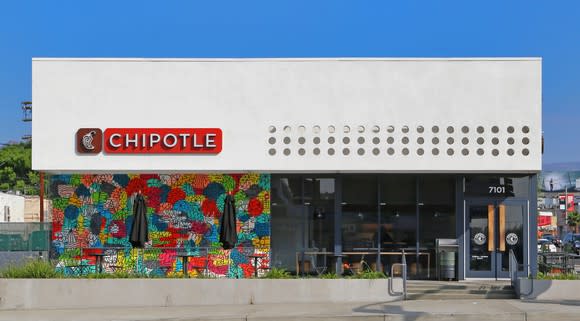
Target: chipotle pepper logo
[89,140]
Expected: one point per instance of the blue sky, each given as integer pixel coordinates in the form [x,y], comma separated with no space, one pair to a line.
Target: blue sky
[547,29]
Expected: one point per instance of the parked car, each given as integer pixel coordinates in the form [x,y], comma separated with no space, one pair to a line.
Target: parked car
[545,245]
[572,242]
[552,238]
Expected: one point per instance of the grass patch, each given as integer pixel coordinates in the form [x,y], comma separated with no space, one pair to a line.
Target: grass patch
[368,275]
[277,273]
[31,269]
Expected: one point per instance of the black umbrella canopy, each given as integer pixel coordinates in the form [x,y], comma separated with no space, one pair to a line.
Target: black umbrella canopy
[139,229]
[228,233]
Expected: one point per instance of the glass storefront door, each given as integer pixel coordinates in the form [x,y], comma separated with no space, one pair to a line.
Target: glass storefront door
[494,228]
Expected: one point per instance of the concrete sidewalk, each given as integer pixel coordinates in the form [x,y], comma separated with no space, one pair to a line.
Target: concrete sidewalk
[481,310]
[493,310]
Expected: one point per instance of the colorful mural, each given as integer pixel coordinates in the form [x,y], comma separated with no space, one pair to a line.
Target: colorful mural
[92,215]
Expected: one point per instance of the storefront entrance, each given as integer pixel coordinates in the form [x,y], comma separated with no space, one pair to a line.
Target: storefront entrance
[495,228]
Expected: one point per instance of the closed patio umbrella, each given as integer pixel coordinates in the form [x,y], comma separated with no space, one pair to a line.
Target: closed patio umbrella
[228,234]
[139,228]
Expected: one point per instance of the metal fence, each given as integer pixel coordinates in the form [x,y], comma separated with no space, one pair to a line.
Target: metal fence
[19,237]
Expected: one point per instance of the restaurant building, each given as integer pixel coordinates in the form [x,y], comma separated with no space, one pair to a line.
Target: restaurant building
[334,163]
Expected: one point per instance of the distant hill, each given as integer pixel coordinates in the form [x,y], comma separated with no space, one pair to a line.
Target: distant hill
[568,166]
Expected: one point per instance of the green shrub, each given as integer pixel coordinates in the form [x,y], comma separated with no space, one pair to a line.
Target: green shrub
[369,275]
[277,273]
[562,276]
[329,276]
[31,269]
[117,275]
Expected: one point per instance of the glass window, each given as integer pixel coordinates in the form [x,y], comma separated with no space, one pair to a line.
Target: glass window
[288,224]
[436,215]
[497,186]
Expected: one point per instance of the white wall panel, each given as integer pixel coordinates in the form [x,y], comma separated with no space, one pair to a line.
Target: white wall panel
[245,97]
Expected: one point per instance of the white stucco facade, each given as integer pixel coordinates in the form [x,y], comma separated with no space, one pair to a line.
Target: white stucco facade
[11,208]
[402,115]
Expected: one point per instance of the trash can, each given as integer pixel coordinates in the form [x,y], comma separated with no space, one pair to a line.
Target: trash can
[447,265]
[446,258]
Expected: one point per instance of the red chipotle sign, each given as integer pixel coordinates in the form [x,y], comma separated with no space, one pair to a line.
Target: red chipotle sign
[161,141]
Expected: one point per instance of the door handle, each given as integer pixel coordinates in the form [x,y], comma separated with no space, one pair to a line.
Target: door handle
[502,228]
[491,227]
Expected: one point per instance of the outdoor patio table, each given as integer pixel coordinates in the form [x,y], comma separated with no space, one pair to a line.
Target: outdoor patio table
[256,257]
[184,259]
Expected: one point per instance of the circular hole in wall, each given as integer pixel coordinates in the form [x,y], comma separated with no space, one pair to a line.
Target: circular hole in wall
[420,151]
[405,151]
[495,140]
[510,152]
[272,140]
[376,151]
[331,151]
[450,140]
[301,151]
[286,151]
[511,140]
[405,129]
[420,129]
[331,140]
[495,152]
[316,140]
[376,129]
[405,140]
[465,129]
[450,129]
[480,140]
[346,140]
[480,151]
[361,140]
[435,129]
[316,129]
[301,129]
[390,151]
[316,151]
[511,129]
[287,129]
[420,140]
[360,151]
[390,129]
[525,129]
[480,129]
[435,151]
[272,151]
[301,140]
[525,152]
[376,140]
[361,129]
[331,129]
[346,129]
[435,140]
[525,140]
[465,140]
[272,129]
[465,152]
[495,129]
[345,151]
[450,151]
[287,140]
[390,140]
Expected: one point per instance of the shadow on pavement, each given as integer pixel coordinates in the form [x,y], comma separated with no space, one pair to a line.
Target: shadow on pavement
[385,308]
